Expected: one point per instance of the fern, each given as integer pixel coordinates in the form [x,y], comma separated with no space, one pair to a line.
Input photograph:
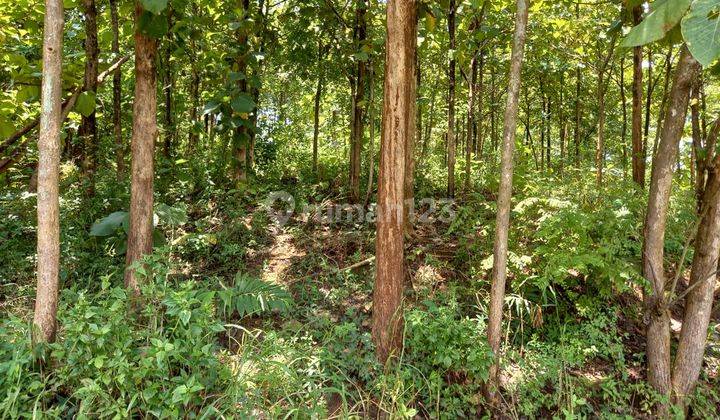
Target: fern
[252,296]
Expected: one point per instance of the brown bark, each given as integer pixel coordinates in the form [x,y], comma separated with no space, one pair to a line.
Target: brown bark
[697,169]
[142,146]
[656,313]
[241,135]
[316,123]
[48,197]
[451,104]
[699,300]
[409,176]
[88,124]
[357,132]
[397,125]
[500,249]
[117,92]
[638,150]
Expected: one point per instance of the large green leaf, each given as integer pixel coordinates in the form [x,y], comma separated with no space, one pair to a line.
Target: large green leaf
[701,30]
[242,104]
[107,225]
[666,14]
[154,6]
[85,104]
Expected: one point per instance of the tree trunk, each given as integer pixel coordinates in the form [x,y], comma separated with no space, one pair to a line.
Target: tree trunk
[88,125]
[117,95]
[663,101]
[470,121]
[697,165]
[48,197]
[656,312]
[578,104]
[371,145]
[356,138]
[241,134]
[638,150]
[409,185]
[143,144]
[699,300]
[387,320]
[316,123]
[168,88]
[499,272]
[451,104]
[623,131]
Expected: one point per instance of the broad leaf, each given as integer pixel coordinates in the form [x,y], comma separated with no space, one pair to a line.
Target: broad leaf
[107,225]
[153,25]
[154,6]
[242,104]
[664,16]
[701,31]
[85,104]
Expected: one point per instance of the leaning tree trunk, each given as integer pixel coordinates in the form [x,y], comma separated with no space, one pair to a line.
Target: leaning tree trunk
[397,125]
[48,197]
[88,124]
[638,150]
[142,146]
[656,311]
[117,95]
[451,104]
[500,250]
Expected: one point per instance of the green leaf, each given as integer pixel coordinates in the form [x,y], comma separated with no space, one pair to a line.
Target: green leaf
[85,104]
[210,107]
[6,128]
[664,16]
[107,225]
[242,103]
[154,6]
[153,25]
[171,215]
[701,30]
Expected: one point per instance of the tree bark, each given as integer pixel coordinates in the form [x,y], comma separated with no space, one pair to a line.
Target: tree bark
[142,146]
[48,197]
[638,150]
[623,131]
[316,123]
[356,138]
[656,312]
[699,301]
[117,95]
[88,124]
[451,104]
[387,321]
[409,184]
[241,134]
[499,272]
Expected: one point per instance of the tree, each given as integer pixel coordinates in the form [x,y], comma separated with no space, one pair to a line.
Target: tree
[140,238]
[397,125]
[500,249]
[88,125]
[117,93]
[656,308]
[358,108]
[638,149]
[48,201]
[451,103]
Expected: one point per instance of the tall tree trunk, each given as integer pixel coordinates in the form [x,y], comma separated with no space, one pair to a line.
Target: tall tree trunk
[451,104]
[242,133]
[563,122]
[143,144]
[699,299]
[478,127]
[117,95]
[656,312]
[499,272]
[623,131]
[356,138]
[470,121]
[168,88]
[638,149]
[663,101]
[371,144]
[316,123]
[696,165]
[48,197]
[578,103]
[387,320]
[409,185]
[88,124]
